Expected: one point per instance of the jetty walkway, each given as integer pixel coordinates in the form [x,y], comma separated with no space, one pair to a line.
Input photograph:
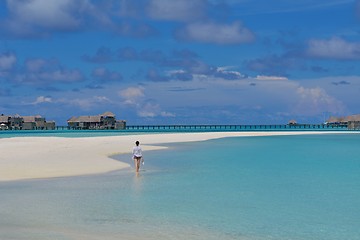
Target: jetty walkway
[209,127]
[236,127]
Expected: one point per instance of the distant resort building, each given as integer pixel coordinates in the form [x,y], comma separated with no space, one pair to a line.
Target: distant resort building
[106,120]
[352,121]
[18,122]
[292,122]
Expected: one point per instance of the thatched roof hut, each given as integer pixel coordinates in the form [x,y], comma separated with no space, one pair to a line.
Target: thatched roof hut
[333,120]
[353,118]
[292,122]
[72,119]
[352,121]
[344,120]
[102,121]
[30,118]
[4,119]
[89,119]
[85,119]
[107,114]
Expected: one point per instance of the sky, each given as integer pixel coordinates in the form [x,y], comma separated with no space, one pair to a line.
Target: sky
[181,61]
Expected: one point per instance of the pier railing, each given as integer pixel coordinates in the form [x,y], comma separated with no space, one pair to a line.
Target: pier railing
[209,127]
[235,127]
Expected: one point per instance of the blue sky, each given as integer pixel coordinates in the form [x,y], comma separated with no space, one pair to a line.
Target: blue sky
[181,62]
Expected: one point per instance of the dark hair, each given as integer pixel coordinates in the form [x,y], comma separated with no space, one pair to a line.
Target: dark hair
[137,143]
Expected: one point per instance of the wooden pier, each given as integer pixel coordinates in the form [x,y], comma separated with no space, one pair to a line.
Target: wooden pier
[234,127]
[205,127]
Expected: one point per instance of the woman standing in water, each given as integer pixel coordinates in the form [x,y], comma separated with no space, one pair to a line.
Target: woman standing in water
[137,156]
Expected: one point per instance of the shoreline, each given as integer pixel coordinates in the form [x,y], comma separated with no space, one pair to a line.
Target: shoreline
[25,158]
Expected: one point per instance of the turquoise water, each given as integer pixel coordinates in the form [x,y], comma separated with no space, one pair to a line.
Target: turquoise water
[168,129]
[279,187]
[66,133]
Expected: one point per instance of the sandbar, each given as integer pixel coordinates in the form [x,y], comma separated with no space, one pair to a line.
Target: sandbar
[23,158]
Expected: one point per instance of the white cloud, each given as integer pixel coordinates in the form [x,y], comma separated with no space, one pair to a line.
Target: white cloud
[226,73]
[313,101]
[334,48]
[185,10]
[35,65]
[44,13]
[135,97]
[46,71]
[36,17]
[151,110]
[64,76]
[42,99]
[86,103]
[106,75]
[7,61]
[101,99]
[262,7]
[266,99]
[132,94]
[82,103]
[167,114]
[148,110]
[211,32]
[271,78]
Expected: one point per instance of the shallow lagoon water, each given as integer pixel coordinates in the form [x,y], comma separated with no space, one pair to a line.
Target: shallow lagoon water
[278,187]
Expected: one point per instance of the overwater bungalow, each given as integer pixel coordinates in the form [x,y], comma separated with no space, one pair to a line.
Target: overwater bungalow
[17,122]
[352,121]
[292,122]
[4,120]
[106,120]
[37,122]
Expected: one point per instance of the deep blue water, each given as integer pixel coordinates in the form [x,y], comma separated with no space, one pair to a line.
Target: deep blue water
[279,187]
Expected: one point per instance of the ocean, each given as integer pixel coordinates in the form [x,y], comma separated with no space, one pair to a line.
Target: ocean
[253,188]
[132,130]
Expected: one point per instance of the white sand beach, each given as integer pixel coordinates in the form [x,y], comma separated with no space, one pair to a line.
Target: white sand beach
[48,157]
